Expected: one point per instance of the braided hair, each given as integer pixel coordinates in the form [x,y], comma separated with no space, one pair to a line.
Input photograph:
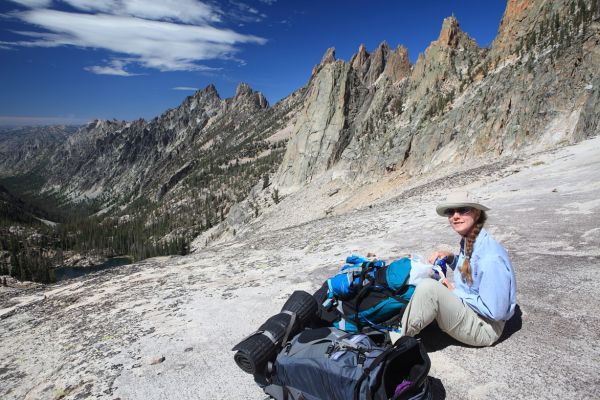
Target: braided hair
[469,241]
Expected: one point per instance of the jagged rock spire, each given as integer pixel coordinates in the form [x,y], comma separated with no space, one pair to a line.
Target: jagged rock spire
[328,58]
[209,92]
[244,93]
[398,64]
[379,59]
[243,89]
[360,61]
[211,89]
[450,32]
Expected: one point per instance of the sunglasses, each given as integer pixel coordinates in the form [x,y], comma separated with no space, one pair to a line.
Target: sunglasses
[460,210]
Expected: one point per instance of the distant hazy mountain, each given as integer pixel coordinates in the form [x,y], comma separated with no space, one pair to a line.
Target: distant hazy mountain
[24,149]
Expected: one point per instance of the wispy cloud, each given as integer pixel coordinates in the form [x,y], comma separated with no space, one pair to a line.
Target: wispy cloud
[114,67]
[242,13]
[170,35]
[188,11]
[185,88]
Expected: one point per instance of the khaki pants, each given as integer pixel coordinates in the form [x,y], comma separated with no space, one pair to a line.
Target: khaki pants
[433,301]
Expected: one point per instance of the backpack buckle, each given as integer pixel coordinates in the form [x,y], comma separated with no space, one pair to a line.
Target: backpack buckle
[361,358]
[329,349]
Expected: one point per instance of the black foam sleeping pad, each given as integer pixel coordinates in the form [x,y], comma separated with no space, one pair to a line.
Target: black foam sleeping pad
[304,305]
[255,351]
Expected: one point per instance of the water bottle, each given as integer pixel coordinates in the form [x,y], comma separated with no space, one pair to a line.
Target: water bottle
[441,263]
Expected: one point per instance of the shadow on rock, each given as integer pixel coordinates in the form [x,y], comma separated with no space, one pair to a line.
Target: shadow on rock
[512,326]
[438,391]
[434,339]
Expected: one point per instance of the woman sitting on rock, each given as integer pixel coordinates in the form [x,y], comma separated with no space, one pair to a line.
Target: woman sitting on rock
[474,309]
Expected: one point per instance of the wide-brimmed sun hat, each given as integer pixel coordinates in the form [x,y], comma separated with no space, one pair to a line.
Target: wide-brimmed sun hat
[458,200]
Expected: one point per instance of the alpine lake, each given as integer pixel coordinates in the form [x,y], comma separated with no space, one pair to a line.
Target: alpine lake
[65,273]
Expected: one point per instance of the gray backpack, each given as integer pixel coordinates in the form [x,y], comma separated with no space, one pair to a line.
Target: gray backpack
[330,364]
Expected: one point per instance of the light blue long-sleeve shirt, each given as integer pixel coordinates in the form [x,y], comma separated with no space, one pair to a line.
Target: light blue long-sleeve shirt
[493,292]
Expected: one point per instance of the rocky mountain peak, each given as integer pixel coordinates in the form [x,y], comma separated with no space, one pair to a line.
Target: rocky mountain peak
[245,98]
[95,123]
[383,48]
[398,64]
[442,60]
[360,60]
[208,95]
[369,67]
[450,32]
[100,126]
[245,93]
[210,90]
[328,58]
[243,89]
[519,18]
[378,62]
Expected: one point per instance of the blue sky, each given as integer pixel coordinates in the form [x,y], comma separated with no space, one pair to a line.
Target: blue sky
[70,61]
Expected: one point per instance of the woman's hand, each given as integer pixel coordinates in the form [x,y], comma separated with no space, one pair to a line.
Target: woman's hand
[439,254]
[447,283]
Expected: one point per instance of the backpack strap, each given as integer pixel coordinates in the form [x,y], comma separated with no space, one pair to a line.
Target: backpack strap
[366,268]
[286,393]
[395,295]
[289,328]
[367,370]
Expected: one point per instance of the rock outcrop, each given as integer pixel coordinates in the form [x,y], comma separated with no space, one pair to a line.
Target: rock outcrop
[318,130]
[458,104]
[398,65]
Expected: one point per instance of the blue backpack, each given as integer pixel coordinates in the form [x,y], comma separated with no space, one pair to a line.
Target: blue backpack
[368,294]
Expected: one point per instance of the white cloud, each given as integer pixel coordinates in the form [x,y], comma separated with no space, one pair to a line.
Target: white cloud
[108,70]
[115,67]
[152,34]
[185,88]
[189,11]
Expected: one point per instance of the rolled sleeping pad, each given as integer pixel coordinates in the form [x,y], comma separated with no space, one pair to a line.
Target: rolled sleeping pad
[304,305]
[262,346]
[254,351]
